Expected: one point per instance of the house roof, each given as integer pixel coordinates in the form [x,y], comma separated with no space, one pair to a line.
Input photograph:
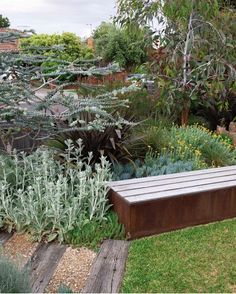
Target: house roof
[11,45]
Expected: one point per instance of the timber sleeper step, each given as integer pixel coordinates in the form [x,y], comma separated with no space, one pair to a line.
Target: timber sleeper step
[4,237]
[43,263]
[108,268]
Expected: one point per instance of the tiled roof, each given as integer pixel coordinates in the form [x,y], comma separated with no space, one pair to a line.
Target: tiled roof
[9,46]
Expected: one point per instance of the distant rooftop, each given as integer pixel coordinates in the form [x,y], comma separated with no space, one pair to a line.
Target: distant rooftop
[11,45]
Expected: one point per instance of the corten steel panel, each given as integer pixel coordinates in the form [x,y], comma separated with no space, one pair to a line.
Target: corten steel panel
[171,213]
[122,208]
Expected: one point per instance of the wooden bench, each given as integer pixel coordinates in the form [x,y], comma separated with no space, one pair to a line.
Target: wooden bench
[153,205]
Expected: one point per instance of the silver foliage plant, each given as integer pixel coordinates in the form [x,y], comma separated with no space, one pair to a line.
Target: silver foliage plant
[34,101]
[49,199]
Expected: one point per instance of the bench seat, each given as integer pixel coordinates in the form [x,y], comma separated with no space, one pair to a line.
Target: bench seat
[153,205]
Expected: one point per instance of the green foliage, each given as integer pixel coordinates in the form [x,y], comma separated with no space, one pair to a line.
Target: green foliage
[4,22]
[199,120]
[7,169]
[175,149]
[125,46]
[64,289]
[92,233]
[70,46]
[210,148]
[154,135]
[198,41]
[192,260]
[12,279]
[141,105]
[226,139]
[49,199]
[189,143]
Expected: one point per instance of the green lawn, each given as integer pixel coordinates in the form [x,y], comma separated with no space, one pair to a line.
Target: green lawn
[199,259]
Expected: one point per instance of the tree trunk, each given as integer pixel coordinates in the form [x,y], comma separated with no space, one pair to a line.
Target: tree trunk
[186,69]
[185,114]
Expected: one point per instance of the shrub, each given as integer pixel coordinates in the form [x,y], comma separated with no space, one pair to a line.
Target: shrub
[69,46]
[112,142]
[64,289]
[195,119]
[141,106]
[225,138]
[125,46]
[50,199]
[93,232]
[178,149]
[153,165]
[12,280]
[194,143]
[212,150]
[152,135]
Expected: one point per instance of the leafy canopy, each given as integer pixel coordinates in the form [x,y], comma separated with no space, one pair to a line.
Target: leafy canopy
[198,40]
[71,46]
[4,22]
[127,46]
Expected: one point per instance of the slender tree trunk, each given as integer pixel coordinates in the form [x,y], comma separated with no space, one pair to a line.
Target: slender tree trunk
[185,113]
[186,70]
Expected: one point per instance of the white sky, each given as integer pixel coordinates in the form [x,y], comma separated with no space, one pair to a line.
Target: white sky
[56,16]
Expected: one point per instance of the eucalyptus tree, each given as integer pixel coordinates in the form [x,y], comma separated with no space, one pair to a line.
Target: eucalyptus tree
[198,40]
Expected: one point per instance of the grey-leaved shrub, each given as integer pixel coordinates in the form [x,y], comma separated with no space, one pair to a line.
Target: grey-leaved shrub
[64,289]
[12,279]
[49,199]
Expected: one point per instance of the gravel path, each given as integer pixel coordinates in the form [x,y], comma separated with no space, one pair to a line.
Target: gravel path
[19,248]
[72,270]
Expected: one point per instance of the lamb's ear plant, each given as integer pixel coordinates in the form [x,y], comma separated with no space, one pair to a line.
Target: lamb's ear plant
[12,279]
[50,199]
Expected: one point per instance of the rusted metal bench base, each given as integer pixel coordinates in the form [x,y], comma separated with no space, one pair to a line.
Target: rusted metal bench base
[159,204]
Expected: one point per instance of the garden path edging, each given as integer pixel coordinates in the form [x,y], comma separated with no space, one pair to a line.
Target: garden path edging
[108,268]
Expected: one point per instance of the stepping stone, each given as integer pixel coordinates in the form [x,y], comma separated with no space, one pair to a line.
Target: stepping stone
[107,271]
[42,265]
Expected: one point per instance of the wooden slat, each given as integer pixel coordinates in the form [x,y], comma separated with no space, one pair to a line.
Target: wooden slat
[4,237]
[171,176]
[175,187]
[180,192]
[43,264]
[107,271]
[167,181]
